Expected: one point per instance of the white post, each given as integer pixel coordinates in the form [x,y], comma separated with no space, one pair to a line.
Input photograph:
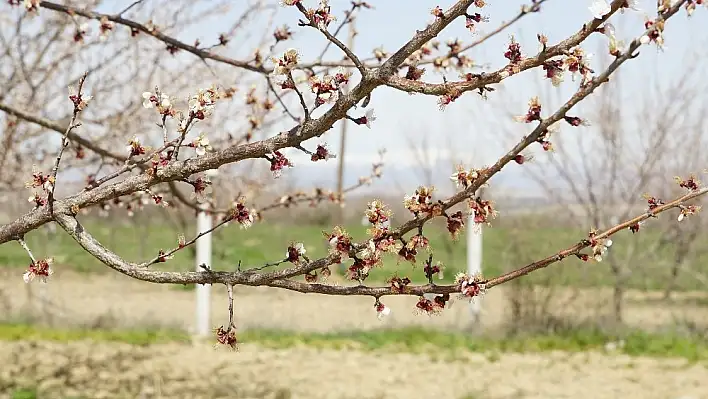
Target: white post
[203,256]
[474,260]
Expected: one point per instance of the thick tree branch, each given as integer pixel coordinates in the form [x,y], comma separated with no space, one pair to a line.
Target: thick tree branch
[249,277]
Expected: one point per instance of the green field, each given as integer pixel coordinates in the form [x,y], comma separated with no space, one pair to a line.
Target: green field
[504,248]
[409,340]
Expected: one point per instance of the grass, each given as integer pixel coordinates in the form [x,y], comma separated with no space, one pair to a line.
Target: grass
[503,248]
[32,332]
[414,339]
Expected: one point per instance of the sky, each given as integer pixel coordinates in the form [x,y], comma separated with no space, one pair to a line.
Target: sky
[470,130]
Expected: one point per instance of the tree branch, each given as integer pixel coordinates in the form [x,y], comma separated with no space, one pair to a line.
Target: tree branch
[249,277]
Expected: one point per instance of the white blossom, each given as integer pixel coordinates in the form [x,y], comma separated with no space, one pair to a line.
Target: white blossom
[599,8]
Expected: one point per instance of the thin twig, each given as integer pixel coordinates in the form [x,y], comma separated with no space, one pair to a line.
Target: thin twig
[65,139]
[230,291]
[348,18]
[135,3]
[27,249]
[331,38]
[299,95]
[280,100]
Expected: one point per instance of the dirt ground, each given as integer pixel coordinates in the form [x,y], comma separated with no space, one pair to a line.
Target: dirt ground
[118,301]
[176,371]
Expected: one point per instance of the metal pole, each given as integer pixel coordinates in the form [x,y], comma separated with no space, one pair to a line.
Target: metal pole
[203,256]
[474,259]
[343,140]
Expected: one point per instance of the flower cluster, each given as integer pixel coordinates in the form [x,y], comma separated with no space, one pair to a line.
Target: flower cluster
[201,104]
[470,286]
[483,210]
[31,6]
[448,98]
[554,71]
[381,242]
[433,269]
[202,187]
[545,137]
[600,8]
[463,178]
[577,62]
[378,214]
[398,284]
[422,202]
[241,214]
[634,228]
[281,34]
[652,202]
[513,54]
[471,21]
[39,180]
[692,4]
[79,100]
[598,245]
[409,251]
[278,162]
[322,16]
[454,52]
[379,53]
[160,101]
[687,210]
[414,73]
[381,310]
[434,306]
[656,35]
[162,256]
[615,46]
[135,147]
[340,242]
[296,253]
[226,337]
[159,161]
[359,270]
[533,113]
[367,119]
[105,27]
[286,63]
[326,88]
[691,184]
[455,223]
[40,269]
[321,153]
[201,144]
